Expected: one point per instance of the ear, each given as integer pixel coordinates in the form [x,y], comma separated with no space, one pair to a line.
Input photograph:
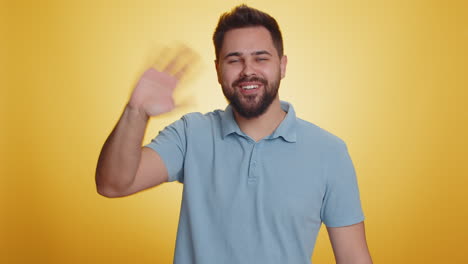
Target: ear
[217,71]
[283,63]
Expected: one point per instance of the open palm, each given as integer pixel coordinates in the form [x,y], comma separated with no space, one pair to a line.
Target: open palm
[153,94]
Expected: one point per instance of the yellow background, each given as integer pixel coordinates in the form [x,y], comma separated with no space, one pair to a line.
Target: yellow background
[389,77]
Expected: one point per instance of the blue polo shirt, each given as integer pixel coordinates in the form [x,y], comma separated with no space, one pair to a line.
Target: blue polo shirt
[256,202]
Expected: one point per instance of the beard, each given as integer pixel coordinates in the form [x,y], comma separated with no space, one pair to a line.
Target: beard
[251,106]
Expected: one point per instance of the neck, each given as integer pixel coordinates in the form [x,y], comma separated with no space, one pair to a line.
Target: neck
[263,125]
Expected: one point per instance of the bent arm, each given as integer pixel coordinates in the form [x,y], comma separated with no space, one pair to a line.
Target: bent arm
[124,167]
[349,244]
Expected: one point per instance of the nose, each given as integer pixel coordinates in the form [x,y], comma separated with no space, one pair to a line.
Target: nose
[248,69]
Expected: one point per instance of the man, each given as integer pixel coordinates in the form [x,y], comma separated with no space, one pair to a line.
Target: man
[258,182]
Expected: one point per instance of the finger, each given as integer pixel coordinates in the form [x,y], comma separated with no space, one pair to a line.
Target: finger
[186,103]
[159,60]
[180,73]
[190,62]
[174,62]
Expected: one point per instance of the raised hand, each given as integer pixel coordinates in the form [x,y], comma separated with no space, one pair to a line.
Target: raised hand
[153,94]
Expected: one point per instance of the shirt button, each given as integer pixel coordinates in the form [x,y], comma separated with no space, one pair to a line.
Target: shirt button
[254,164]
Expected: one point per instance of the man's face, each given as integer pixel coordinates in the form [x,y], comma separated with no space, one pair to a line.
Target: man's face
[250,70]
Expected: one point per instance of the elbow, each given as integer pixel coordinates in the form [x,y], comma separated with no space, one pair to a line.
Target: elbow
[107,193]
[107,189]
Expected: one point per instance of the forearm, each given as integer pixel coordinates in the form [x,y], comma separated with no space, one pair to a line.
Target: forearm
[121,153]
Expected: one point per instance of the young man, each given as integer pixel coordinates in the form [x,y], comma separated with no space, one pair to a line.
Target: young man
[258,182]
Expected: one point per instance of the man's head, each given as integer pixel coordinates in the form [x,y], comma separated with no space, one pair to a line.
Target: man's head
[249,59]
[242,17]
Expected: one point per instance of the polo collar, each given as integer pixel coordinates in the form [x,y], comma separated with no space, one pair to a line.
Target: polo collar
[286,129]
[228,123]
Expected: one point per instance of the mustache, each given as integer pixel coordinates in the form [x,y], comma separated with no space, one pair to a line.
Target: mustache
[251,79]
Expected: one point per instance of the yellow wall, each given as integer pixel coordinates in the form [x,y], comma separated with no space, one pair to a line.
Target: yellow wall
[389,77]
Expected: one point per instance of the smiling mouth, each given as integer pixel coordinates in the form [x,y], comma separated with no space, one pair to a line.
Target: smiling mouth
[252,83]
[249,87]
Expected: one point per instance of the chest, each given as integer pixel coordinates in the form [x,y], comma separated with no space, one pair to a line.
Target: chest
[270,179]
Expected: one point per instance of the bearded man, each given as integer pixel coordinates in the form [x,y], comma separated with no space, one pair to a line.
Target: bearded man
[258,181]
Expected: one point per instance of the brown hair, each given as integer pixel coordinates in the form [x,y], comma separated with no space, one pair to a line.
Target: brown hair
[243,16]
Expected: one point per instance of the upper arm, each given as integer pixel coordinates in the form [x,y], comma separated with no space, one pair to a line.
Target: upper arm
[341,201]
[349,244]
[151,171]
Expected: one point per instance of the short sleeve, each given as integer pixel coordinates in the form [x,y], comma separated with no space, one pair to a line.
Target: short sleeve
[170,144]
[341,203]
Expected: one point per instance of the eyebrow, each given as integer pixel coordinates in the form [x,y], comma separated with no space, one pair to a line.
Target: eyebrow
[261,52]
[238,54]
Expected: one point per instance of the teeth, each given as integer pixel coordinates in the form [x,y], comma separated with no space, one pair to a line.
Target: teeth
[248,87]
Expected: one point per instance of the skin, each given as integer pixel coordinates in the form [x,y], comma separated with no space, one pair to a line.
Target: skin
[249,52]
[349,244]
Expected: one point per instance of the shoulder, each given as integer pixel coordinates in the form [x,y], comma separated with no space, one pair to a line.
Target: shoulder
[197,118]
[310,133]
[200,117]
[197,123]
